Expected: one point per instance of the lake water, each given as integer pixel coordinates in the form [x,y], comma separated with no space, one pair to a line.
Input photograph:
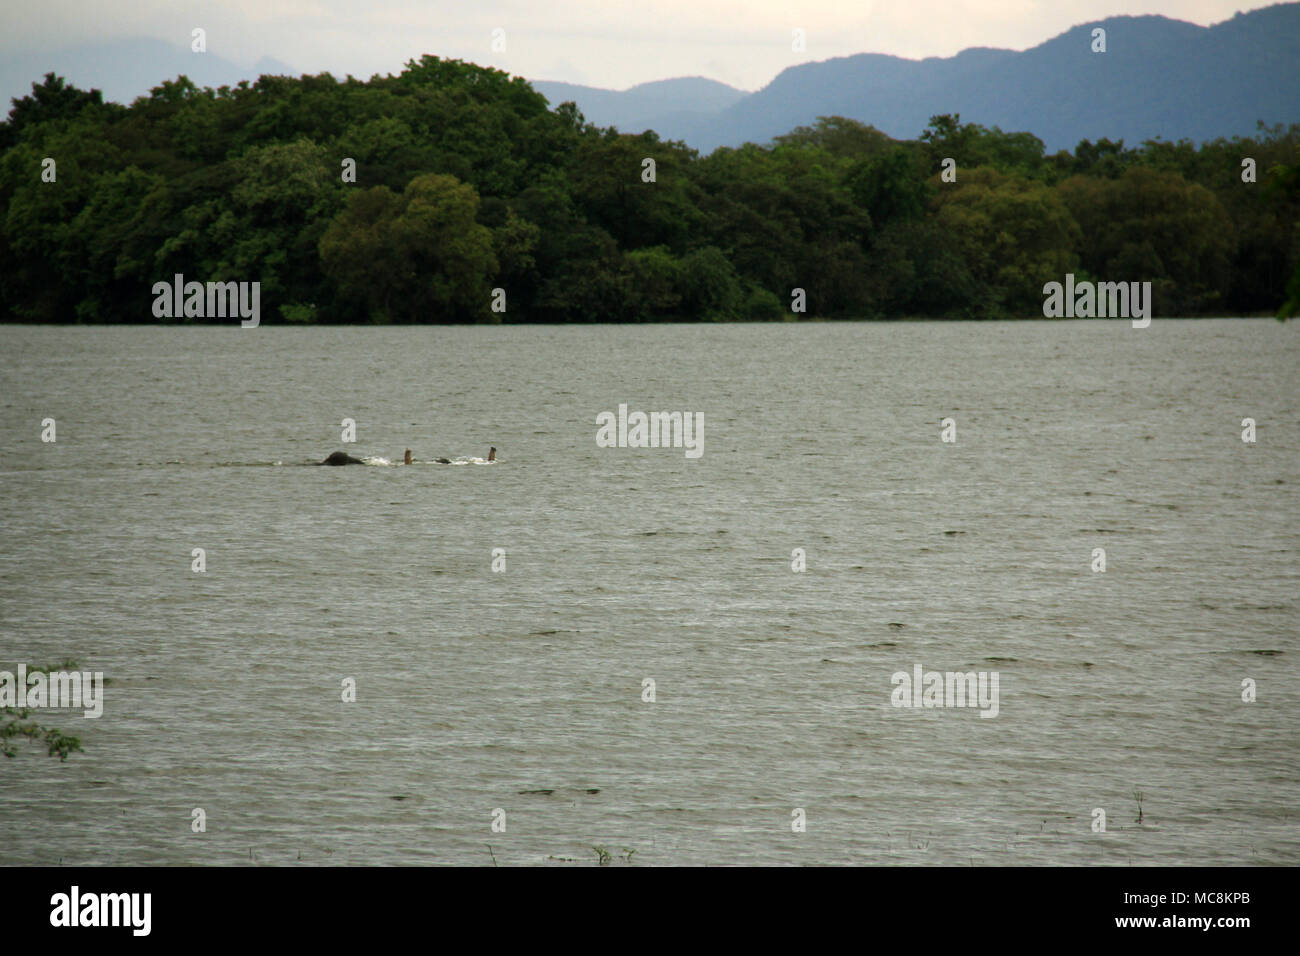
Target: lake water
[480,689]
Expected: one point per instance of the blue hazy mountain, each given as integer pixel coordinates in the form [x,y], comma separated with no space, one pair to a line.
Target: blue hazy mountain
[672,108]
[1158,77]
[125,69]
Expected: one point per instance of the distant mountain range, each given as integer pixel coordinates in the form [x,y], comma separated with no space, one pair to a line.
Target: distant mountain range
[125,69]
[1158,77]
[688,103]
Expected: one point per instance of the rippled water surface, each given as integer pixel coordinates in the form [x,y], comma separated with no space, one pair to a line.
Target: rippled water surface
[522,689]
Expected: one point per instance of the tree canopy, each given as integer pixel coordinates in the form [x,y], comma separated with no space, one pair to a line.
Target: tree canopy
[456,193]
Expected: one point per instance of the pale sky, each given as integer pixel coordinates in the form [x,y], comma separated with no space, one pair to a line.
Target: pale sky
[607,43]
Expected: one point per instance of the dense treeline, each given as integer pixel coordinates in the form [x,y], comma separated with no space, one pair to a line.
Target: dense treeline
[467,182]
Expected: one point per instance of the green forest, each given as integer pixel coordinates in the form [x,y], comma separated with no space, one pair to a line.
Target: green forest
[467,181]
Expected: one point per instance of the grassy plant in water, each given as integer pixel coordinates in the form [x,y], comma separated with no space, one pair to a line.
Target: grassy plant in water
[16,722]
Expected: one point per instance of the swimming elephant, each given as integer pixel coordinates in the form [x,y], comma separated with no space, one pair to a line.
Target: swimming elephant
[342,458]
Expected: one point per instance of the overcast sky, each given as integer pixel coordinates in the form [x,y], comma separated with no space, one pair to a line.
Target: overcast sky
[607,43]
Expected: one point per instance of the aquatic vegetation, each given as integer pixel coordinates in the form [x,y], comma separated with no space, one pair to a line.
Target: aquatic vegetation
[16,722]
